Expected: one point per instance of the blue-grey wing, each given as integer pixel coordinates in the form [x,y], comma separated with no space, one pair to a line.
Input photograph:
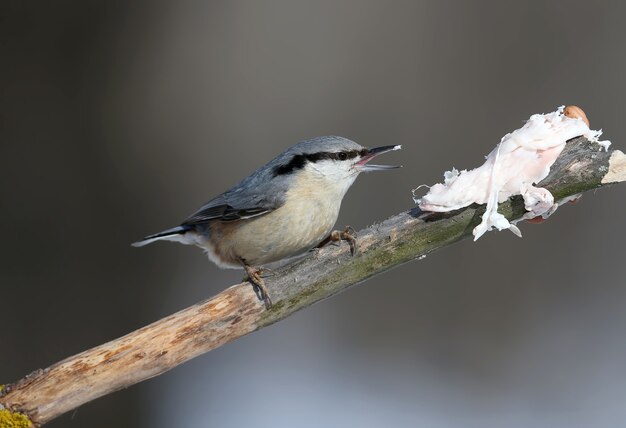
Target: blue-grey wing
[224,212]
[256,195]
[259,193]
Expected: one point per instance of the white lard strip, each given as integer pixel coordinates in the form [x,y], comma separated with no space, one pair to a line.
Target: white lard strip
[522,158]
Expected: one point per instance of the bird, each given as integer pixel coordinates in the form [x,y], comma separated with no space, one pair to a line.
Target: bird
[285,208]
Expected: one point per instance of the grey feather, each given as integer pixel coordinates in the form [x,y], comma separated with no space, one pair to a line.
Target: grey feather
[262,191]
[166,234]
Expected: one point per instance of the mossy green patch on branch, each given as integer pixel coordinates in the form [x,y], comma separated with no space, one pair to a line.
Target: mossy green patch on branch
[10,419]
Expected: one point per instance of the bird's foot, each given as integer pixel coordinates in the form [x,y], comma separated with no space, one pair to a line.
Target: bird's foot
[265,272]
[256,279]
[348,234]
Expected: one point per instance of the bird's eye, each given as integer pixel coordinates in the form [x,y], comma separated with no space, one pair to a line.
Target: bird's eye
[342,156]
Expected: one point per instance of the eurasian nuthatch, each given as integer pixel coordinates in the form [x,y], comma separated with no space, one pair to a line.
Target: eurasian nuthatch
[282,209]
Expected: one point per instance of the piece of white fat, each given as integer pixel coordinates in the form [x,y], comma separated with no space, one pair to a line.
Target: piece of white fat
[522,158]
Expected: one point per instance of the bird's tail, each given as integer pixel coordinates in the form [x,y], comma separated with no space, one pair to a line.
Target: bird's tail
[173,234]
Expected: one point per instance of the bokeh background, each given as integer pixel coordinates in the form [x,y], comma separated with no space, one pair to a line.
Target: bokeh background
[119,119]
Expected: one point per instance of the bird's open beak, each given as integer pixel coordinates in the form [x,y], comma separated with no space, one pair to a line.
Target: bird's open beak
[371,154]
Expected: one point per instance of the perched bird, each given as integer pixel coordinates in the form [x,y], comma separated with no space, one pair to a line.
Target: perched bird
[282,209]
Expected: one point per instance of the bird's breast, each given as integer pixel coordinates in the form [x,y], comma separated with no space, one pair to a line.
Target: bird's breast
[307,216]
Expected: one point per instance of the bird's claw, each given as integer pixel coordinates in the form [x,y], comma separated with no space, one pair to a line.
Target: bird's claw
[348,234]
[256,279]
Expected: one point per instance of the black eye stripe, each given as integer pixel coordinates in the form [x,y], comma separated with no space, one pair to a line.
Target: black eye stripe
[298,161]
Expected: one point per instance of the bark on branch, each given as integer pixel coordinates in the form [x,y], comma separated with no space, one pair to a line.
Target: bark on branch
[161,346]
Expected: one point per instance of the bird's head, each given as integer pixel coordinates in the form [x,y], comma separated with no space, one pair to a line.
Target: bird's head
[335,160]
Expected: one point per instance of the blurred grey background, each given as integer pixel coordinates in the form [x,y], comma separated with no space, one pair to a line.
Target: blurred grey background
[120,118]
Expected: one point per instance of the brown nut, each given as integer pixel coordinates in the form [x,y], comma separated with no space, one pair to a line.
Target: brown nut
[576,112]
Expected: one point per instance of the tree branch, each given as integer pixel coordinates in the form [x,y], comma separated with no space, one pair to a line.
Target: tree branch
[161,346]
